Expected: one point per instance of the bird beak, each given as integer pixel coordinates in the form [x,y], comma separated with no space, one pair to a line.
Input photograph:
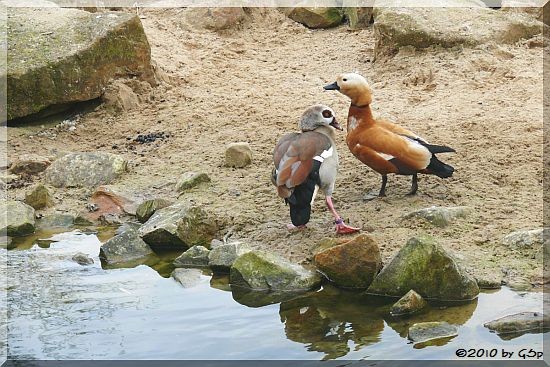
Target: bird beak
[336,125]
[333,86]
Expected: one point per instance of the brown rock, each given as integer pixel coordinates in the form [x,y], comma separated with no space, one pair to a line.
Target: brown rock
[29,164]
[39,197]
[351,264]
[238,155]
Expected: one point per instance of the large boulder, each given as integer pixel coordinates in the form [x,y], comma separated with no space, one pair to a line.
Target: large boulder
[423,332]
[423,265]
[352,264]
[317,17]
[222,257]
[266,271]
[59,56]
[85,169]
[467,25]
[16,218]
[180,225]
[125,247]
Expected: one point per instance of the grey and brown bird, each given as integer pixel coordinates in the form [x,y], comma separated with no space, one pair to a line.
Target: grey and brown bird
[308,161]
[382,145]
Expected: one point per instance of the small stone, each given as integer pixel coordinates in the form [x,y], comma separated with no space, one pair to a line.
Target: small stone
[82,259]
[56,221]
[191,179]
[146,209]
[426,331]
[29,164]
[215,19]
[526,239]
[238,155]
[410,303]
[439,216]
[188,278]
[489,282]
[195,256]
[316,17]
[222,257]
[511,326]
[39,197]
[215,243]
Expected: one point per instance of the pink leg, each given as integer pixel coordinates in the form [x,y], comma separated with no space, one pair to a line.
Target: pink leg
[291,227]
[341,227]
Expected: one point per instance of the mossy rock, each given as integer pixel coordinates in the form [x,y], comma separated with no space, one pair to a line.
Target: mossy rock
[196,256]
[146,209]
[318,17]
[39,197]
[16,219]
[58,56]
[265,271]
[180,225]
[125,247]
[423,265]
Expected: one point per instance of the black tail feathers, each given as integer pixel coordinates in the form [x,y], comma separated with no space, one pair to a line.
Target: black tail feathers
[439,168]
[300,200]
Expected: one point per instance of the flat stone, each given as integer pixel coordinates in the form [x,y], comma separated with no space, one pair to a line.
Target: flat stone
[85,169]
[82,259]
[188,278]
[427,331]
[238,155]
[525,239]
[440,216]
[265,271]
[191,179]
[196,256]
[511,326]
[29,164]
[55,221]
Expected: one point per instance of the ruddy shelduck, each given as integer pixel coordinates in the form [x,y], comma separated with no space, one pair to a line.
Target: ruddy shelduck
[382,145]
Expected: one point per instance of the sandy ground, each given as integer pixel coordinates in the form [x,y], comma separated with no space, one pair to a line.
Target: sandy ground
[252,84]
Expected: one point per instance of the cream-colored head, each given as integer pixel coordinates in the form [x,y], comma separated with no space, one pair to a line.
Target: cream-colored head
[316,116]
[354,86]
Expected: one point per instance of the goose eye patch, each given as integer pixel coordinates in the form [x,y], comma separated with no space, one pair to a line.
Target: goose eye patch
[327,113]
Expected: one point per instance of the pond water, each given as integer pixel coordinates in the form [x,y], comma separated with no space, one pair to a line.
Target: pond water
[58,309]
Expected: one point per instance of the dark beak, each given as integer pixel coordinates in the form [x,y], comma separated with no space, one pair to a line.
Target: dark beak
[335,124]
[333,86]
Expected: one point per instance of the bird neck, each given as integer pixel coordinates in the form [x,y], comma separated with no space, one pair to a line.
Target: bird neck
[362,115]
[327,131]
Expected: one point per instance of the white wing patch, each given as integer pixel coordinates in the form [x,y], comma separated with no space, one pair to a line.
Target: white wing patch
[386,156]
[326,153]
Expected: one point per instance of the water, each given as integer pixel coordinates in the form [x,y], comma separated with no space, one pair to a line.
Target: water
[58,309]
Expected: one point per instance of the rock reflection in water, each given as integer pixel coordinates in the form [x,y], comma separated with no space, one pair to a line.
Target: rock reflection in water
[328,320]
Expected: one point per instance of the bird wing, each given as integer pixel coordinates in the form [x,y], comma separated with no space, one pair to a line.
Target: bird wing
[390,126]
[405,153]
[294,156]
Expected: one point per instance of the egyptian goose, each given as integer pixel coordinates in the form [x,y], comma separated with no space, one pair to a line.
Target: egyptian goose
[382,145]
[307,161]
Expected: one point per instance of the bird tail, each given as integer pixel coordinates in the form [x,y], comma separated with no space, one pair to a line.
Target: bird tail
[439,168]
[300,200]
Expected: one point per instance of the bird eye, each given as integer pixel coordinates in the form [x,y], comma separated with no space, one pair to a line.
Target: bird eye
[327,114]
[345,80]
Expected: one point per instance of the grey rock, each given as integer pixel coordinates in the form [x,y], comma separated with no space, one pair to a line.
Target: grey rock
[439,216]
[188,278]
[82,259]
[146,209]
[125,247]
[16,218]
[265,271]
[238,155]
[215,19]
[489,282]
[85,169]
[55,221]
[29,164]
[512,326]
[423,265]
[180,225]
[358,17]
[215,243]
[191,179]
[411,302]
[222,257]
[196,256]
[316,17]
[74,56]
[426,331]
[39,197]
[525,239]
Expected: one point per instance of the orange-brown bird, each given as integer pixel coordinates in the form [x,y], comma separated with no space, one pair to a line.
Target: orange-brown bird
[382,145]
